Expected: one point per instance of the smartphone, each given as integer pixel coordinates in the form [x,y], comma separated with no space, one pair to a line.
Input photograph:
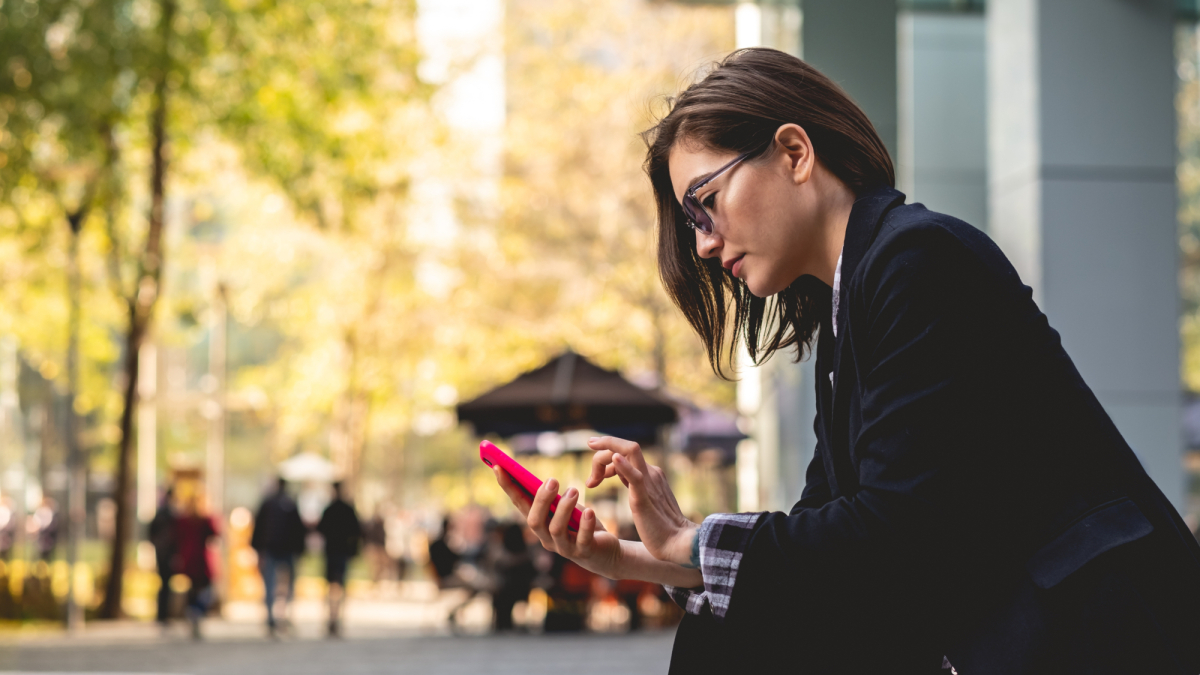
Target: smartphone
[529,483]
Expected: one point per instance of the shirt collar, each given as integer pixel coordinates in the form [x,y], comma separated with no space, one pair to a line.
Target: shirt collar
[837,285]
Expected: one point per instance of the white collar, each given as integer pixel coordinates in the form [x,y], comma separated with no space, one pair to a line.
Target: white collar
[837,284]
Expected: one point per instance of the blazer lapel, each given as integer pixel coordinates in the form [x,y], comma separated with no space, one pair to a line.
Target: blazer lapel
[865,219]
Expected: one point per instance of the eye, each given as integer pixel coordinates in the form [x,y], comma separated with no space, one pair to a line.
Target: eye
[710,201]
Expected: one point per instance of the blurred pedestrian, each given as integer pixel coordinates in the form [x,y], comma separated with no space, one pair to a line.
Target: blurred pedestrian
[513,565]
[569,595]
[278,538]
[162,537]
[8,528]
[193,532]
[340,528]
[48,523]
[375,545]
[451,573]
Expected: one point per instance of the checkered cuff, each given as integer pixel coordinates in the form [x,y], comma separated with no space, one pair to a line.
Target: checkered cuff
[723,539]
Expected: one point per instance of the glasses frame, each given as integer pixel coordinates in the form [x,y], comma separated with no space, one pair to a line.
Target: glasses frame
[698,217]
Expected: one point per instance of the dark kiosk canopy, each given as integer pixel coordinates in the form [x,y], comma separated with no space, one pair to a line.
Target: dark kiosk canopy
[567,393]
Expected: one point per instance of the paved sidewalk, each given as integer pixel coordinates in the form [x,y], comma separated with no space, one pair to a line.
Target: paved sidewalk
[393,635]
[436,655]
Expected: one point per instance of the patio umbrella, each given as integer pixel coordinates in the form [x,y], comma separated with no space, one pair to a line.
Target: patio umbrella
[569,393]
[307,467]
[703,429]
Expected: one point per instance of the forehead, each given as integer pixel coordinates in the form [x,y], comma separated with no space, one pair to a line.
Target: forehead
[689,163]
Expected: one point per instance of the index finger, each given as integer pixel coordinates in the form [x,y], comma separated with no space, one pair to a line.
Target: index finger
[627,449]
[601,468]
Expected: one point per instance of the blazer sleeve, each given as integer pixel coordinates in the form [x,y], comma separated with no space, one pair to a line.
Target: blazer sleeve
[910,326]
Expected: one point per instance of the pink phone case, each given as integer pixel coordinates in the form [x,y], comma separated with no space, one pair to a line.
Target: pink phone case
[493,456]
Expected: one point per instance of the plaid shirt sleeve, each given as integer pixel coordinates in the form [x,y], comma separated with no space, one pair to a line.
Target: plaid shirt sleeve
[723,538]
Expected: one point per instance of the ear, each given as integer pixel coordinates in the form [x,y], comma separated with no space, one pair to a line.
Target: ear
[795,147]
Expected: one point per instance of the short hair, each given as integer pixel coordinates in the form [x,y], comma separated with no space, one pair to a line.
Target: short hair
[738,106]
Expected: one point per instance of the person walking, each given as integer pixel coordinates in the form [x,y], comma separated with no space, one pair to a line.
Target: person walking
[515,573]
[970,506]
[194,531]
[342,532]
[278,538]
[162,537]
[8,528]
[374,538]
[49,525]
[451,571]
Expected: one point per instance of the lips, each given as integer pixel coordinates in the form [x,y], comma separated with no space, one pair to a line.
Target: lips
[734,264]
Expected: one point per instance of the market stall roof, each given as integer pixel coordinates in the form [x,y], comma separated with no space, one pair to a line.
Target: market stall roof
[567,393]
[703,429]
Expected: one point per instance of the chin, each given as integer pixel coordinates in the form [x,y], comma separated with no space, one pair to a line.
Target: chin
[759,289]
[766,285]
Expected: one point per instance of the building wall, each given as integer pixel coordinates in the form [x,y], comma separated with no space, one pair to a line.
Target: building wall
[942,112]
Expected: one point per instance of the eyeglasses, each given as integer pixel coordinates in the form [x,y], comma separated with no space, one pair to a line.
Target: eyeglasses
[698,217]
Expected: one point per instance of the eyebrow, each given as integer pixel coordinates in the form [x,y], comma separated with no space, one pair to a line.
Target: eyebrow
[708,176]
[699,179]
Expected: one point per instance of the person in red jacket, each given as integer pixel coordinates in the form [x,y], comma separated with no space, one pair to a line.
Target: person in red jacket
[193,533]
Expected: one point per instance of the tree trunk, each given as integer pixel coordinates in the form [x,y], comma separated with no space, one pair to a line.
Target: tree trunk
[124,494]
[141,310]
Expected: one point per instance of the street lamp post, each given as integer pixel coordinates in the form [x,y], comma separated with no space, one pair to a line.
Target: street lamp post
[76,477]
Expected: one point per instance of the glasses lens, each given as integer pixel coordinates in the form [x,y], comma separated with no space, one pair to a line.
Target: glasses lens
[697,215]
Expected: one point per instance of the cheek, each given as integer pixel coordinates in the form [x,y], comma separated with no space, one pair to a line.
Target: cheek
[761,221]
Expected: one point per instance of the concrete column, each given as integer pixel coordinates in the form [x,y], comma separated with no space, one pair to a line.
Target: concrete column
[1082,197]
[854,43]
[942,84]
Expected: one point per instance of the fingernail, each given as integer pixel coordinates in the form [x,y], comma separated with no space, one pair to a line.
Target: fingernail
[593,439]
[571,493]
[617,459]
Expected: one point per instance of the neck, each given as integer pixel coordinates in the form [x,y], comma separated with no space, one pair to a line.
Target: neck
[835,219]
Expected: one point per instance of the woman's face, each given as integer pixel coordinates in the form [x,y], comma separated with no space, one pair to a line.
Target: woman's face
[766,212]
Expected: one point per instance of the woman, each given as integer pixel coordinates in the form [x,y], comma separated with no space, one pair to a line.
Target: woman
[193,533]
[970,502]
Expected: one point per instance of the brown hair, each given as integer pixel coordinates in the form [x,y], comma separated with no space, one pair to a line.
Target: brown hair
[738,106]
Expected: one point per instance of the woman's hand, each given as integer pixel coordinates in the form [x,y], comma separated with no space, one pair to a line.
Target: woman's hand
[593,548]
[667,534]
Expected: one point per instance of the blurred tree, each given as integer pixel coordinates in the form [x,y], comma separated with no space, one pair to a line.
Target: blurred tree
[73,70]
[140,294]
[305,149]
[579,221]
[389,307]
[327,105]
[61,100]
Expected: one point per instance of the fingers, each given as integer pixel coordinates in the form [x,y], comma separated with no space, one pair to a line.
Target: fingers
[539,511]
[514,492]
[587,532]
[629,474]
[561,519]
[601,466]
[628,449]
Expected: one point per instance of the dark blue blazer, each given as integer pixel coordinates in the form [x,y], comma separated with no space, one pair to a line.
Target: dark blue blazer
[969,497]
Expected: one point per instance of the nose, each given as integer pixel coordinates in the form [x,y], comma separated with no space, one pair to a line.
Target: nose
[708,245]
